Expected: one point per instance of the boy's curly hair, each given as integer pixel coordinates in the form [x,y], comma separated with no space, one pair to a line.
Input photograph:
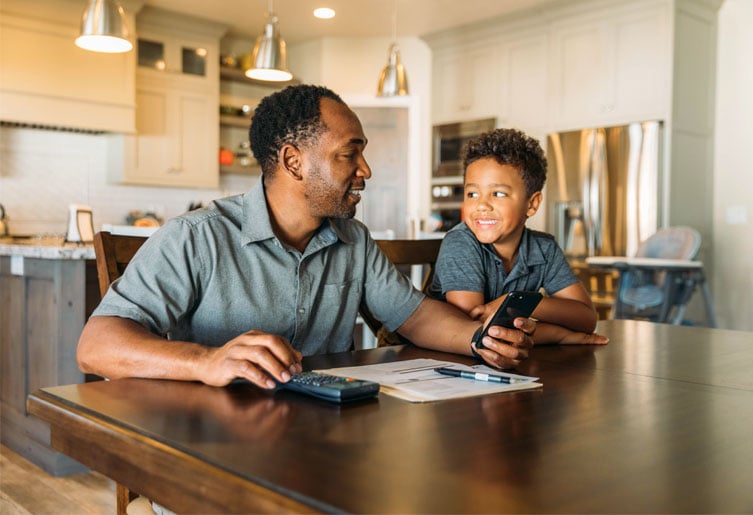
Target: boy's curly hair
[288,116]
[510,147]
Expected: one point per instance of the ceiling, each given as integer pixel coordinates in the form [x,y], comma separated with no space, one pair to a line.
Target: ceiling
[354,18]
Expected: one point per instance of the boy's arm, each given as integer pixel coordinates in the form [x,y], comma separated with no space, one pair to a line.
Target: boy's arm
[544,333]
[552,333]
[571,307]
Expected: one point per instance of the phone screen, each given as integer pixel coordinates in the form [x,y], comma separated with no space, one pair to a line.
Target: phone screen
[516,304]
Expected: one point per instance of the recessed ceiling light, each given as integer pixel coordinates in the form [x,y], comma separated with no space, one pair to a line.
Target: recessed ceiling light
[324,13]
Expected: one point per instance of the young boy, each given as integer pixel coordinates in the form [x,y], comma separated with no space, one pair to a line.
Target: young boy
[492,252]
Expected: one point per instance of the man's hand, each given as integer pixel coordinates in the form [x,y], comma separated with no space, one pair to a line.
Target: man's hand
[507,348]
[256,356]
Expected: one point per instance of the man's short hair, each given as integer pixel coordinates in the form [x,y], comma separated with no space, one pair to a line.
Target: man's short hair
[290,116]
[510,147]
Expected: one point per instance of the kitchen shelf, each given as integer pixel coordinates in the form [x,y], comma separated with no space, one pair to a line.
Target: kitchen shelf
[446,205]
[235,121]
[241,170]
[447,180]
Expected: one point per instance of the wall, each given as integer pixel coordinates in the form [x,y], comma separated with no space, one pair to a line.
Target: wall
[41,172]
[733,168]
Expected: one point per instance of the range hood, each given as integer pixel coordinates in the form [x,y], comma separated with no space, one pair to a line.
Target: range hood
[48,82]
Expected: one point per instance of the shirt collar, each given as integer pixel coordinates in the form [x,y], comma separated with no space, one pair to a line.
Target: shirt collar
[529,254]
[255,225]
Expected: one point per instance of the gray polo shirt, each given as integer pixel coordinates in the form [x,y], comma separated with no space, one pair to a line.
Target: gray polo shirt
[465,264]
[212,274]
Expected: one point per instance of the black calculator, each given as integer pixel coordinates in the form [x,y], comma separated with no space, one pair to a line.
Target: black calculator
[331,388]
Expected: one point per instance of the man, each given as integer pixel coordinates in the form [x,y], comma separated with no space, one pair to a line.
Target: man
[245,288]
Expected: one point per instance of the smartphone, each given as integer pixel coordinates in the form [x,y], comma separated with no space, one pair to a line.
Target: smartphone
[516,304]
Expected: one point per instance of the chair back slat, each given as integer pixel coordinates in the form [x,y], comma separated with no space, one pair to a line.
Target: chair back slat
[113,253]
[413,252]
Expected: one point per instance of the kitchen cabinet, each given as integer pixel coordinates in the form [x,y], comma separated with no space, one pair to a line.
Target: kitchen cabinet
[611,68]
[466,81]
[43,306]
[176,138]
[177,94]
[523,83]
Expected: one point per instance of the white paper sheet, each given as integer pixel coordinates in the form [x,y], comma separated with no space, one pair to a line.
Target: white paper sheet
[415,380]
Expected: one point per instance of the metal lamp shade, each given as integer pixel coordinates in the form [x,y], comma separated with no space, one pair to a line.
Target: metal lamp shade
[268,60]
[393,81]
[103,28]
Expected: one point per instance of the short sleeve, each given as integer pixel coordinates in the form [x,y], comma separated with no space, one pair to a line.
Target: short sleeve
[460,264]
[558,274]
[158,286]
[388,294]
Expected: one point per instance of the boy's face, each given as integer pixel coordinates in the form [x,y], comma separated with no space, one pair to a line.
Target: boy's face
[495,206]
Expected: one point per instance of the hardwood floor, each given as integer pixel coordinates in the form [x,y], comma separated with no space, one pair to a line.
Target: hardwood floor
[27,489]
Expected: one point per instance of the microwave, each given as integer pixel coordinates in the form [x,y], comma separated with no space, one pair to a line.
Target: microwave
[448,145]
[447,169]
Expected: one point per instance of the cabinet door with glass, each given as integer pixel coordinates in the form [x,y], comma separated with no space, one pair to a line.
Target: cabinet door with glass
[177,93]
[164,54]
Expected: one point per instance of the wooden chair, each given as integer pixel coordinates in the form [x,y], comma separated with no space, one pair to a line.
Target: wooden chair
[404,253]
[113,253]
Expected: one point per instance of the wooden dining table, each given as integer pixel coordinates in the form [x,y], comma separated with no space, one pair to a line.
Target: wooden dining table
[660,420]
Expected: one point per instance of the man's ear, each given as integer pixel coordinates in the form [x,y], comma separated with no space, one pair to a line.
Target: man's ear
[291,160]
[534,202]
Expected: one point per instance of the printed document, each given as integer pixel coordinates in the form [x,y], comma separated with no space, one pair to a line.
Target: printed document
[415,380]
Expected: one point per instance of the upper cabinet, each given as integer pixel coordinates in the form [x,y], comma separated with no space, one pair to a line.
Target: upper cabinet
[177,94]
[612,68]
[47,80]
[465,81]
[571,65]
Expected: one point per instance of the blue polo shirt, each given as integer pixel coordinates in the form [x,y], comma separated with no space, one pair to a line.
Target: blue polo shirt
[210,275]
[465,264]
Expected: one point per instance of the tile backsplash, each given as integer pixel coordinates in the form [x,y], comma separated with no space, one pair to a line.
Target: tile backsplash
[42,172]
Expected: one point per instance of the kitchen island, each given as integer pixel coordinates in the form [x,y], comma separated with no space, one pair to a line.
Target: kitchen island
[47,290]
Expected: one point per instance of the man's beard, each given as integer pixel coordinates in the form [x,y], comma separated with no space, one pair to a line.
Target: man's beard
[326,201]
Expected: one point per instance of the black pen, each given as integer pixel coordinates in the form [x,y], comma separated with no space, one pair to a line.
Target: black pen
[478,376]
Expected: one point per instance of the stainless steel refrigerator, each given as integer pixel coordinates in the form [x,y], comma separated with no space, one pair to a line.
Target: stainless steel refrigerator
[603,190]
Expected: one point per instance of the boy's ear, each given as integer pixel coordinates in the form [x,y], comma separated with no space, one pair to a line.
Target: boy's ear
[291,160]
[534,201]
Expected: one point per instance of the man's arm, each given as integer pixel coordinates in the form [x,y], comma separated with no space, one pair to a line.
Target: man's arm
[115,347]
[440,326]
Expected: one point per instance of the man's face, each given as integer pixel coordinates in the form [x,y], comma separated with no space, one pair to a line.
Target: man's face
[336,168]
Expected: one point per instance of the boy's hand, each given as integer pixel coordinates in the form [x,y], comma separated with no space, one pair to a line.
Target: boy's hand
[507,348]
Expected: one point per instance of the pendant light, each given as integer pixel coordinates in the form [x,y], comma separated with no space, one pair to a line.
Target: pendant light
[268,59]
[393,81]
[103,28]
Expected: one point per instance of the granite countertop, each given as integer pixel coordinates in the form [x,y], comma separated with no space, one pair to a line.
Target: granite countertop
[50,248]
